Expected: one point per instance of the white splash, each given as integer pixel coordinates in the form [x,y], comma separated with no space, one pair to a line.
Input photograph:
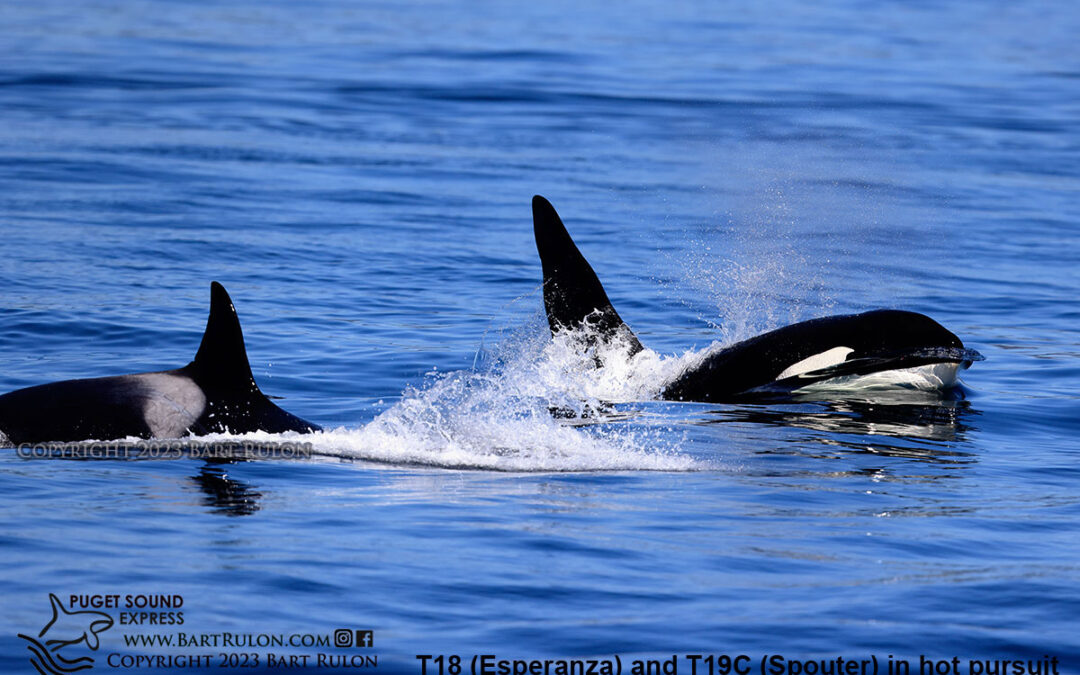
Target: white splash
[535,404]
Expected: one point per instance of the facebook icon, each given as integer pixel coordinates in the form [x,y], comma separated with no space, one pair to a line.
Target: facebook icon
[365,638]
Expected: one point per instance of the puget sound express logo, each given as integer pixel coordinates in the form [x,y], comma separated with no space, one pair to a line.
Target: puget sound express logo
[151,629]
[66,629]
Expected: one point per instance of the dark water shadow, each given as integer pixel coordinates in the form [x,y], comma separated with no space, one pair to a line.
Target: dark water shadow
[223,494]
[930,427]
[943,421]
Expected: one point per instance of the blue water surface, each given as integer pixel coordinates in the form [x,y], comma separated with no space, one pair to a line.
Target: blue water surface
[358,175]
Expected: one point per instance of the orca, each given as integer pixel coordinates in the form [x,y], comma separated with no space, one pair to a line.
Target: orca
[215,393]
[875,348]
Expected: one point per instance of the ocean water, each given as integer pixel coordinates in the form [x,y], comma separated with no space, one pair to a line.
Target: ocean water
[358,175]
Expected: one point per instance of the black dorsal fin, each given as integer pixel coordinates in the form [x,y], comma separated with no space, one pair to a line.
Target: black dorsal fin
[573,295]
[222,358]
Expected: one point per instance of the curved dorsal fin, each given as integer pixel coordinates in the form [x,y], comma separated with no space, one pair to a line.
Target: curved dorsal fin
[222,358]
[573,294]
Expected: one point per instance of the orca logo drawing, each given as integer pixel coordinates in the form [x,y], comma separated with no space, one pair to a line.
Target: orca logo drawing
[66,629]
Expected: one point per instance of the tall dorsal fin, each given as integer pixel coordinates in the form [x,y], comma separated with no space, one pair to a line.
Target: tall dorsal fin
[222,358]
[573,295]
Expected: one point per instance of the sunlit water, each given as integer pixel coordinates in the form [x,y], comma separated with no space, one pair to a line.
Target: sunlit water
[359,176]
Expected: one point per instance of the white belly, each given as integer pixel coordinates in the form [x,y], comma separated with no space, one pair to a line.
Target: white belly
[931,377]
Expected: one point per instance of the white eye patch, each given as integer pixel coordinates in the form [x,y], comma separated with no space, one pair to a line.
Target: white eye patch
[825,359]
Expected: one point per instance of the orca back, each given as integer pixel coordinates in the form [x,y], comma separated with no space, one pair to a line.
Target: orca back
[103,408]
[216,392]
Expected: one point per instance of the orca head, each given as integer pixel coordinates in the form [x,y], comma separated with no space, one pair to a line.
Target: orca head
[234,402]
[859,345]
[907,336]
[573,296]
[888,330]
